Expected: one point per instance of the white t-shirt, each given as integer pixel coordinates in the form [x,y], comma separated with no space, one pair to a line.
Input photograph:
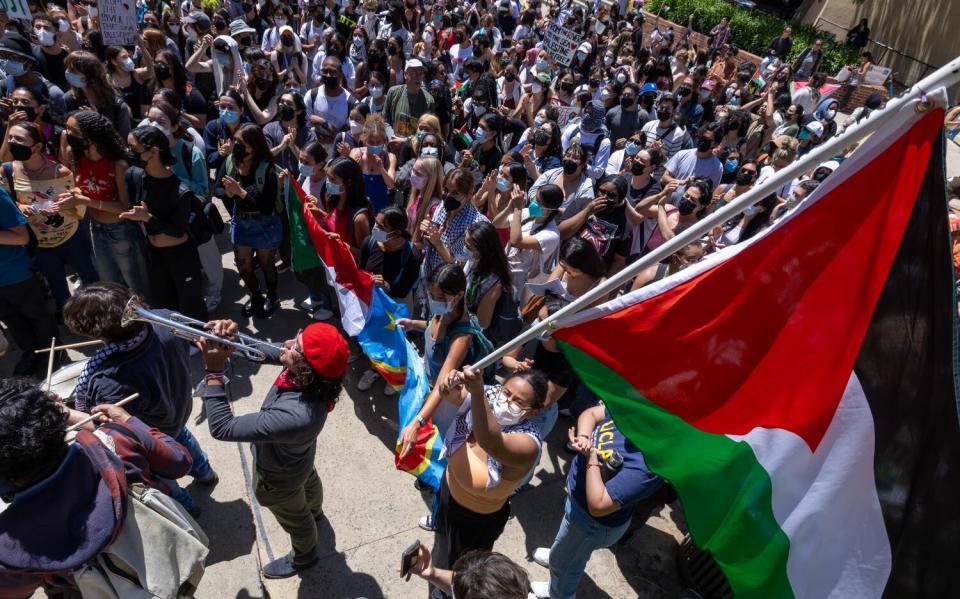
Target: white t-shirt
[767,172]
[533,266]
[457,56]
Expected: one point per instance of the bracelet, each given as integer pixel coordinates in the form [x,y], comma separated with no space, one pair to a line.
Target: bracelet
[421,420]
[587,437]
[592,465]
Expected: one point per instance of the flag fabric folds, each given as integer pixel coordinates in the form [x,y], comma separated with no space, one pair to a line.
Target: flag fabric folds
[799,390]
[370,315]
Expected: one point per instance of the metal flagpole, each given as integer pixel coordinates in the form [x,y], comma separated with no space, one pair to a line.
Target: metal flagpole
[946,76]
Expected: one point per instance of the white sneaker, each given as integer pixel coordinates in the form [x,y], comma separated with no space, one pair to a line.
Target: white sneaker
[542,556]
[322,314]
[540,588]
[366,380]
[307,304]
[388,390]
[427,523]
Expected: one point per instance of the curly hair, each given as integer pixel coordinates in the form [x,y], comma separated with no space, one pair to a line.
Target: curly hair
[98,130]
[310,381]
[96,310]
[32,429]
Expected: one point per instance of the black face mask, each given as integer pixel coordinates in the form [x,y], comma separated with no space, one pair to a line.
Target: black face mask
[510,76]
[239,153]
[647,101]
[219,24]
[20,151]
[76,143]
[162,71]
[626,102]
[451,203]
[392,50]
[541,138]
[664,115]
[637,168]
[684,91]
[569,166]
[594,83]
[286,112]
[460,37]
[566,86]
[246,41]
[287,41]
[744,178]
[704,145]
[262,83]
[477,51]
[247,7]
[330,80]
[30,111]
[687,207]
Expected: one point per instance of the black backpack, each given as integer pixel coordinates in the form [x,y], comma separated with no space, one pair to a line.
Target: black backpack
[199,227]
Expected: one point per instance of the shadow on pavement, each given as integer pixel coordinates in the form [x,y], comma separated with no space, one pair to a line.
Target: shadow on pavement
[229,525]
[332,577]
[648,560]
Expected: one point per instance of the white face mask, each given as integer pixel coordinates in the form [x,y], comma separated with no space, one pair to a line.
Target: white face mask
[506,412]
[536,88]
[44,37]
[174,29]
[280,22]
[355,128]
[127,64]
[427,37]
[378,235]
[375,92]
[93,11]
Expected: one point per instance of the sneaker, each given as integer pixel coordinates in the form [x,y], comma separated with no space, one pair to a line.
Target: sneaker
[209,481]
[307,304]
[285,568]
[322,314]
[427,523]
[540,588]
[253,305]
[389,390]
[542,556]
[366,380]
[268,307]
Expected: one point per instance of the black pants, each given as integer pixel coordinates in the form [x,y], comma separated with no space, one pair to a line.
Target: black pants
[460,530]
[25,312]
[176,279]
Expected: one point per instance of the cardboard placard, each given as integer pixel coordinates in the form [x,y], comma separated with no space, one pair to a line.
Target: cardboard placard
[118,22]
[561,43]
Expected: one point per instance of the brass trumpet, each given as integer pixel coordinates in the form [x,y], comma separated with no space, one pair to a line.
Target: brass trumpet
[191,329]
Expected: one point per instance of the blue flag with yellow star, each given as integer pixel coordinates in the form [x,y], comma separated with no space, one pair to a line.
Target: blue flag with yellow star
[397,361]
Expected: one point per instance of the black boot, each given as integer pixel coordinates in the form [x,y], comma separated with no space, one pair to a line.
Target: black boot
[268,307]
[253,306]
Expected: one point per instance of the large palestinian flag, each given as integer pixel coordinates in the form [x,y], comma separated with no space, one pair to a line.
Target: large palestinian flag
[799,390]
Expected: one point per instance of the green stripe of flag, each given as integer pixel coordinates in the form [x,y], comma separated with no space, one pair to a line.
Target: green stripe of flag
[725,492]
[302,253]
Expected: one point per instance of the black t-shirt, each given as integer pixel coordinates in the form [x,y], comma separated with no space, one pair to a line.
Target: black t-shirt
[399,269]
[635,194]
[169,207]
[52,66]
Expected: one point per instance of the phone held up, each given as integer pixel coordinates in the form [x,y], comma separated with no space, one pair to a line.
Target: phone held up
[408,558]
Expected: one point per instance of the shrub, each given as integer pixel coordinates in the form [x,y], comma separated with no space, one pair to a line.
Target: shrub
[753,30]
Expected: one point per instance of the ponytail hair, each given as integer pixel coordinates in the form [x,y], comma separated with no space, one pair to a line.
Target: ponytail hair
[151,137]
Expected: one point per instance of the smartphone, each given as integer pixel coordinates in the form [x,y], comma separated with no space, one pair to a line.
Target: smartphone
[408,558]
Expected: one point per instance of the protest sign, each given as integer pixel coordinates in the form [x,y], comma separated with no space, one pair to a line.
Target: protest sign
[16,9]
[118,22]
[561,43]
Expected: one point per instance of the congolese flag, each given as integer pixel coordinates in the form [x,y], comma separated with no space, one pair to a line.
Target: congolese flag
[370,315]
[799,389]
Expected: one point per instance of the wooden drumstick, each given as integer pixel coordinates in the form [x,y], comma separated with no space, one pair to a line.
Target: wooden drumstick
[69,346]
[123,401]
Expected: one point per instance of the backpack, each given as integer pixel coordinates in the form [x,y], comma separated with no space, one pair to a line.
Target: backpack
[598,232]
[480,346]
[199,227]
[138,564]
[506,322]
[215,224]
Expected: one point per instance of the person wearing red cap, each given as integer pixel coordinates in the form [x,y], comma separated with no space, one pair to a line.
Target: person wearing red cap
[284,431]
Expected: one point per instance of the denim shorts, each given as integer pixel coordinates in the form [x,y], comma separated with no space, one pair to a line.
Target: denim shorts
[257,232]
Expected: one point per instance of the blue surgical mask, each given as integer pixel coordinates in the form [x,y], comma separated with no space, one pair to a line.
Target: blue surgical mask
[229,116]
[503,184]
[375,149]
[731,165]
[479,134]
[538,121]
[421,134]
[632,149]
[542,64]
[430,151]
[378,235]
[535,209]
[14,68]
[75,79]
[438,308]
[332,188]
[306,169]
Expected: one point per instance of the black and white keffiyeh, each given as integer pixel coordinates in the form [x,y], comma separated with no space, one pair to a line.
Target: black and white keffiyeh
[94,363]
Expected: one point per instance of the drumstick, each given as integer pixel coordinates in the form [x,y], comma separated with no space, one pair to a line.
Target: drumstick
[70,346]
[123,401]
[53,344]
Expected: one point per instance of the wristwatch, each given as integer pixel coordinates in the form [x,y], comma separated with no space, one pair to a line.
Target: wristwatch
[421,420]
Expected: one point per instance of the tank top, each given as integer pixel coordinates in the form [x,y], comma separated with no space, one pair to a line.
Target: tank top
[341,223]
[96,178]
[50,230]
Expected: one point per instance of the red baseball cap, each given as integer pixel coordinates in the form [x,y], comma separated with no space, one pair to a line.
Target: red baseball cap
[325,350]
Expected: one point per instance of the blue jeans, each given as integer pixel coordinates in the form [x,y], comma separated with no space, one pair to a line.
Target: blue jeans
[75,251]
[579,535]
[119,250]
[201,468]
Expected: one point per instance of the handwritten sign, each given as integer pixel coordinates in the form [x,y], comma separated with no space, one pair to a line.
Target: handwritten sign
[561,43]
[118,22]
[16,9]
